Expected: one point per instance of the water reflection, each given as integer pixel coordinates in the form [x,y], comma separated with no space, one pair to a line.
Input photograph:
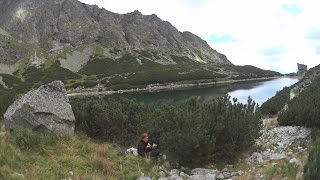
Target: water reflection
[262,91]
[259,91]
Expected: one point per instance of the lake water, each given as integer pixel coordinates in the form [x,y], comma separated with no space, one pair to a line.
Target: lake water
[258,91]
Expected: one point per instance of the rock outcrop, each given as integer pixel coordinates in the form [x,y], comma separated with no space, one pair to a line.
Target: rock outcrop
[46,108]
[198,174]
[284,136]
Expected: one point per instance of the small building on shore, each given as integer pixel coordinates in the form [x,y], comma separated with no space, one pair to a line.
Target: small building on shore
[302,68]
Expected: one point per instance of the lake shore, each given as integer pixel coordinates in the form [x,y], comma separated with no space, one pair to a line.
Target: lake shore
[166,87]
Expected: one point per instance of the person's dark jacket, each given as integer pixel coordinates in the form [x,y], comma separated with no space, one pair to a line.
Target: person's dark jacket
[142,148]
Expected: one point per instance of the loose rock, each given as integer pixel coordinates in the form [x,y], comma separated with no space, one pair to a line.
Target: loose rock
[295,162]
[220,176]
[162,174]
[255,158]
[144,178]
[174,172]
[198,177]
[202,171]
[285,136]
[278,156]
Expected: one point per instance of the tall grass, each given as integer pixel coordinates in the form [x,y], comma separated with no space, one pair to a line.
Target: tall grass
[48,156]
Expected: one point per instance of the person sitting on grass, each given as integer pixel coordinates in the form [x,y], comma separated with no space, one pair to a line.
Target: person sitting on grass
[146,148]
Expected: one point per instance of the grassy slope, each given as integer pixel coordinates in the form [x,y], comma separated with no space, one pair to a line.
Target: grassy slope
[126,72]
[38,156]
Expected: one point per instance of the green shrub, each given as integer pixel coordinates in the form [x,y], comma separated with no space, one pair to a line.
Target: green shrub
[190,133]
[312,168]
[113,120]
[247,71]
[185,135]
[89,84]
[128,73]
[10,80]
[6,99]
[275,104]
[34,77]
[41,76]
[303,110]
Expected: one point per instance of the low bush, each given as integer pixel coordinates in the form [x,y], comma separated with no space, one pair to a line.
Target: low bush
[10,80]
[190,133]
[6,99]
[248,71]
[113,120]
[275,104]
[303,110]
[89,84]
[33,78]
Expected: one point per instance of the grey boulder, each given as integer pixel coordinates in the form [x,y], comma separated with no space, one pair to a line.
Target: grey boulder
[46,108]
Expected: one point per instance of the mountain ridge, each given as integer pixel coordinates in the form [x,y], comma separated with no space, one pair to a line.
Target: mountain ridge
[54,25]
[88,47]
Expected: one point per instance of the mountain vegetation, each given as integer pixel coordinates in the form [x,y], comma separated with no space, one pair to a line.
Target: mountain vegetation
[30,155]
[221,128]
[303,110]
[89,47]
[275,104]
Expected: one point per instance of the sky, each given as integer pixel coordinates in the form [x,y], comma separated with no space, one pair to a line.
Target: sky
[270,34]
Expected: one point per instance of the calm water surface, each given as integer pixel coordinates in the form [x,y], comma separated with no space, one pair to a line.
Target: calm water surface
[259,91]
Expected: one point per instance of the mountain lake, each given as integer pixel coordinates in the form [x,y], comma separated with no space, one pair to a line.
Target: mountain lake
[259,91]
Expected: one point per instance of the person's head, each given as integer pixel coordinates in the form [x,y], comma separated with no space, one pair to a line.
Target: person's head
[144,137]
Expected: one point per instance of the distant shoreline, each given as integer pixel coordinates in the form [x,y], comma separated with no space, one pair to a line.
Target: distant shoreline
[169,87]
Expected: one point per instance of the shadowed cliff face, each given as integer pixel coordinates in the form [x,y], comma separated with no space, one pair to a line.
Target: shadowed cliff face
[55,24]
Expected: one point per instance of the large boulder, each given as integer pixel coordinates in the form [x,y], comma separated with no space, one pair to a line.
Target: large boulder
[46,108]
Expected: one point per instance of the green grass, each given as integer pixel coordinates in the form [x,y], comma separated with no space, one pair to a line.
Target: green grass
[312,168]
[49,156]
[281,170]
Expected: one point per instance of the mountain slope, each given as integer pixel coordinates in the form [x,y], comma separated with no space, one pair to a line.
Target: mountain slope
[87,46]
[56,24]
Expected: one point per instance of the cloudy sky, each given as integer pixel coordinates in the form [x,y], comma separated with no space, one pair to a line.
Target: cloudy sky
[270,34]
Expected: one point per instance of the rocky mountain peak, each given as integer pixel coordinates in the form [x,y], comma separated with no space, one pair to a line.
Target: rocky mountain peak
[136,13]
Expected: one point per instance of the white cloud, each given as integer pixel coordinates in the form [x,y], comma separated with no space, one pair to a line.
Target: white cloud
[256,25]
